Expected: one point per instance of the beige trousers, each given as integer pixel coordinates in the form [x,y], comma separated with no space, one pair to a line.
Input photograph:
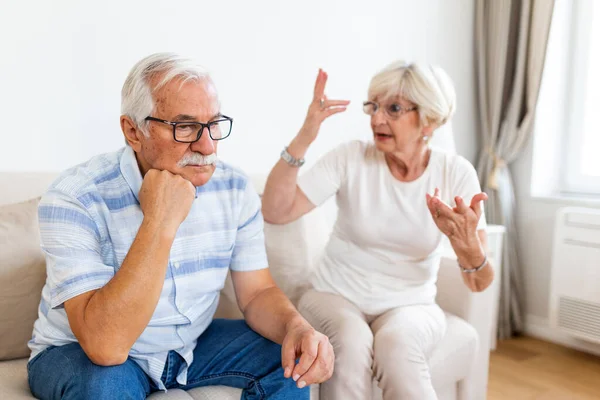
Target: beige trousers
[393,347]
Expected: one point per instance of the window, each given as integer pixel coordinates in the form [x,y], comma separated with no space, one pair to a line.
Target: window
[582,139]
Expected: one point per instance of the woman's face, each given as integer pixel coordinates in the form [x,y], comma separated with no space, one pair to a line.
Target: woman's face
[396,125]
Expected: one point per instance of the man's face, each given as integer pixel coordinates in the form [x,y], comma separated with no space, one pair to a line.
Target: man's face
[192,102]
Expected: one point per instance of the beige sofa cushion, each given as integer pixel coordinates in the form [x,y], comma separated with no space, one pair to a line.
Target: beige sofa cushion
[13,380]
[22,276]
[294,249]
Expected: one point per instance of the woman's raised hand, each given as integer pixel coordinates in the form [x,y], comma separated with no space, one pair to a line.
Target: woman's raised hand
[319,110]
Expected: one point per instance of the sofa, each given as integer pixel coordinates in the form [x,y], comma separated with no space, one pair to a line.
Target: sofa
[459,364]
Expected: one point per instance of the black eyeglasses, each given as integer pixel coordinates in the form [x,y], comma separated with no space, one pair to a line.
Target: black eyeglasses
[190,132]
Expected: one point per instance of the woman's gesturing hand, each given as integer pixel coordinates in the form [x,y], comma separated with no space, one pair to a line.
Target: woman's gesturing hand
[320,109]
[458,223]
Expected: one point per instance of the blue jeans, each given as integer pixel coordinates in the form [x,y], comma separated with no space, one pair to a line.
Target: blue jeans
[228,353]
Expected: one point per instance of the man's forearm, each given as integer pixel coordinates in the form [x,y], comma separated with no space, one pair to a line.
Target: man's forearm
[118,313]
[272,314]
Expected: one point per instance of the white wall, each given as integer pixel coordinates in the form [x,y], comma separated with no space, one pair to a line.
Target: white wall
[63,64]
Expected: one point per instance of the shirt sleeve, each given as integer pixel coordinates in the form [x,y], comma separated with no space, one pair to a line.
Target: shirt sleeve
[249,251]
[70,239]
[325,178]
[466,185]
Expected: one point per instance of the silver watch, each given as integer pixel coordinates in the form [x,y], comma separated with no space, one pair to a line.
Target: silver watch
[288,158]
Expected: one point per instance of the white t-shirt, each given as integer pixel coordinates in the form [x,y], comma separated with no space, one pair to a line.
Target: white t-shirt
[384,251]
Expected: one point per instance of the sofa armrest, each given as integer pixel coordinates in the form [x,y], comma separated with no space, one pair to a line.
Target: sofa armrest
[475,308]
[479,310]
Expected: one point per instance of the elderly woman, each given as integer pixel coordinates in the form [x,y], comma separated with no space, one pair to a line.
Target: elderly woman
[374,289]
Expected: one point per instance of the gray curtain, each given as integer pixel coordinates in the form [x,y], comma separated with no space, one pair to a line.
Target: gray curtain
[510,47]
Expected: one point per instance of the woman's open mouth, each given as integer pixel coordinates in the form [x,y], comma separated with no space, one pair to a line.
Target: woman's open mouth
[383,136]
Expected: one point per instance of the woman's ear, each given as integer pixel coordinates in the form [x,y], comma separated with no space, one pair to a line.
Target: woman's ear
[131,133]
[428,128]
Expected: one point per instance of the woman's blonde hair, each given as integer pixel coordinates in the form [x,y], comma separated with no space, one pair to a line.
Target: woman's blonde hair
[428,87]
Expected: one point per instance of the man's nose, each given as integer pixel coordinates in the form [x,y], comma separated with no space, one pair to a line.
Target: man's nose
[205,144]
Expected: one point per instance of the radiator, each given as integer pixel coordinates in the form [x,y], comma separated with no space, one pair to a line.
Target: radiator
[575,283]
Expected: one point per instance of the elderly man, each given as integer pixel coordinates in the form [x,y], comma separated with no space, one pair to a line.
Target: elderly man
[138,245]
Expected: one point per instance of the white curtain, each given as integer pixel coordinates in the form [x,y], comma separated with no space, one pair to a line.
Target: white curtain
[510,45]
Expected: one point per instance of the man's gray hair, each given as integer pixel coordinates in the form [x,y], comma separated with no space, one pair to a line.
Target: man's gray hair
[136,96]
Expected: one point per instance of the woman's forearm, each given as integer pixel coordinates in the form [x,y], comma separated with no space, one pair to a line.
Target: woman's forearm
[472,255]
[280,189]
[282,200]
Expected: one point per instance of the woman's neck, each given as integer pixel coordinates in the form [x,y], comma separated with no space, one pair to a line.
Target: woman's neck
[408,167]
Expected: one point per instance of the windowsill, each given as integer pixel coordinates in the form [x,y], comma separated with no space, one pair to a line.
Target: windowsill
[575,199]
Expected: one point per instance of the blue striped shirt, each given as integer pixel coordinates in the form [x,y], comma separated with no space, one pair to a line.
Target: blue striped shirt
[88,220]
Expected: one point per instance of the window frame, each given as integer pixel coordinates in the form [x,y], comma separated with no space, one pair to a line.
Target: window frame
[573,181]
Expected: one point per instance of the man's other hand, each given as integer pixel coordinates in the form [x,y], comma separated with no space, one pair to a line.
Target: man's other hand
[315,353]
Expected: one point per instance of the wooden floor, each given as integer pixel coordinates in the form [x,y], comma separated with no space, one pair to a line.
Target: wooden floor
[526,369]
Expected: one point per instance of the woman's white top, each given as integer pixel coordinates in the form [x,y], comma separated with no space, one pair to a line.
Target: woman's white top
[384,251]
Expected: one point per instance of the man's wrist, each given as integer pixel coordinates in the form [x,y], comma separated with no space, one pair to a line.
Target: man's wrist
[296,321]
[164,230]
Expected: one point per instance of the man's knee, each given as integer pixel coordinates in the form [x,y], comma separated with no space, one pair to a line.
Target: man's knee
[99,382]
[288,388]
[75,376]
[271,352]
[273,383]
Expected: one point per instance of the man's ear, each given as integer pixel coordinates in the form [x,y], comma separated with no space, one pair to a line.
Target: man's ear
[131,133]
